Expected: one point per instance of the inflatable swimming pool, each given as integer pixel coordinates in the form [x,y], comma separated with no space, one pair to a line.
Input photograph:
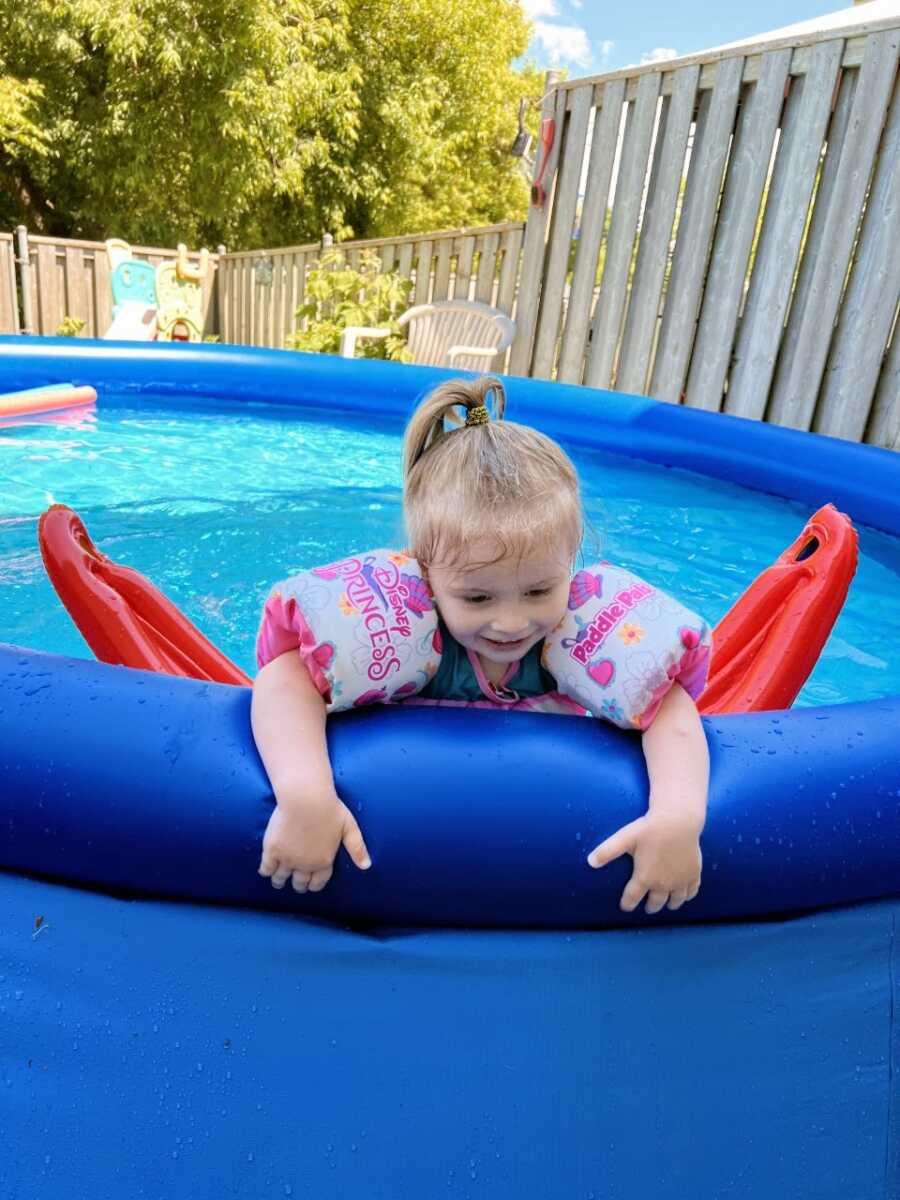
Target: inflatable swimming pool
[261,1053]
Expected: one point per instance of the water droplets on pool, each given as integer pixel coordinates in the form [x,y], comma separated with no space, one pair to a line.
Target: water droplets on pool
[215,504]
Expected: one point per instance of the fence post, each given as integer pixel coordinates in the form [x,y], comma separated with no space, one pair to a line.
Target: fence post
[534,244]
[327,241]
[25,279]
[220,295]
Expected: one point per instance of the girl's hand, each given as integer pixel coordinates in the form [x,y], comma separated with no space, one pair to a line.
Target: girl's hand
[303,838]
[667,860]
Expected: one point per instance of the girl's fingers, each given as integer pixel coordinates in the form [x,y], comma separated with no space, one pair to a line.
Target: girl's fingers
[299,880]
[354,844]
[268,864]
[632,896]
[280,875]
[621,842]
[677,899]
[693,890]
[656,901]
[318,879]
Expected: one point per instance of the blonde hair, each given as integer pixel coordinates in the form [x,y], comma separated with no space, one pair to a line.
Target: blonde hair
[498,481]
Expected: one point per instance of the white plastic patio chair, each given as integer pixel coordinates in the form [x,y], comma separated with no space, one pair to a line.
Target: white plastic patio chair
[446,333]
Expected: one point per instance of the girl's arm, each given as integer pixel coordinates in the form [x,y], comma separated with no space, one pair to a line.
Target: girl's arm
[310,821]
[665,843]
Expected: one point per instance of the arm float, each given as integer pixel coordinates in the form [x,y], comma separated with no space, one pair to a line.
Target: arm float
[366,628]
[622,644]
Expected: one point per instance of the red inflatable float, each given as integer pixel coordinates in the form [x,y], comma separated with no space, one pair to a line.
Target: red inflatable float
[764,648]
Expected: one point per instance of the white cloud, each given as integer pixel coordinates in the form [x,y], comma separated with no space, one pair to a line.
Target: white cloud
[578,3]
[606,48]
[659,54]
[540,8]
[564,43]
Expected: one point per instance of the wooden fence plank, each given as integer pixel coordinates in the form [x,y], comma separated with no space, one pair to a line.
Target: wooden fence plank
[507,289]
[794,400]
[534,243]
[404,260]
[231,299]
[388,255]
[656,232]
[695,233]
[48,297]
[610,308]
[487,267]
[812,237]
[243,303]
[279,294]
[442,270]
[607,123]
[884,423]
[803,129]
[77,291]
[423,271]
[299,263]
[102,291]
[267,298]
[561,230]
[464,268]
[867,312]
[9,305]
[747,170]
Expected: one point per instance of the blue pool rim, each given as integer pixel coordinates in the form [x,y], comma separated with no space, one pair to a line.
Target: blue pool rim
[839,758]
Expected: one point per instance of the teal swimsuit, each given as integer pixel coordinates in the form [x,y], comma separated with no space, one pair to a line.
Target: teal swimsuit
[456,677]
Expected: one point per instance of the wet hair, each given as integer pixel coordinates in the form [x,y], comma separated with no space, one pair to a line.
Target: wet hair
[495,481]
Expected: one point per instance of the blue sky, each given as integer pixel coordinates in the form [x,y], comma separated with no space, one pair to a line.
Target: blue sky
[589,37]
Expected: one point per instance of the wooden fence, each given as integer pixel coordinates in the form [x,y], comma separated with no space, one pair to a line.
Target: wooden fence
[70,278]
[260,290]
[9,304]
[738,246]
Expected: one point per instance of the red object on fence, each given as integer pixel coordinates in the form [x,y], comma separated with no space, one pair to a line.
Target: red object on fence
[764,648]
[120,614]
[548,133]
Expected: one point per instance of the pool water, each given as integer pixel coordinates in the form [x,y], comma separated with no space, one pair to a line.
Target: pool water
[216,503]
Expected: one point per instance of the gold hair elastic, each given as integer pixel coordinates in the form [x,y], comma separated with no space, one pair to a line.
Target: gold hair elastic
[478,415]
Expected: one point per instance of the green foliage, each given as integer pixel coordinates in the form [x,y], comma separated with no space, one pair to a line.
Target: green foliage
[70,327]
[254,122]
[339,296]
[439,105]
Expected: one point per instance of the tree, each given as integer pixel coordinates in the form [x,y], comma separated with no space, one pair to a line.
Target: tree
[259,122]
[182,121]
[438,113]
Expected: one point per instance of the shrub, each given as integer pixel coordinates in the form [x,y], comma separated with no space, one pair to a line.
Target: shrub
[70,327]
[338,296]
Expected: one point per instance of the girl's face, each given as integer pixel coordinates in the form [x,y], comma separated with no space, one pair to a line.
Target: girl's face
[500,611]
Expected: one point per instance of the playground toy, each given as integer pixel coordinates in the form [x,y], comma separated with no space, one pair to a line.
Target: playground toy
[165,302]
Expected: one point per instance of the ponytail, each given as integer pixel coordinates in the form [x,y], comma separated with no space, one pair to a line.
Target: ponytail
[426,426]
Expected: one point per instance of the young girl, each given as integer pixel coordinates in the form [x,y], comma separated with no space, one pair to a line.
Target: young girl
[493,514]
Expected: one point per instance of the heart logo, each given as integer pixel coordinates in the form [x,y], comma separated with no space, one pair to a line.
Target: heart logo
[602,672]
